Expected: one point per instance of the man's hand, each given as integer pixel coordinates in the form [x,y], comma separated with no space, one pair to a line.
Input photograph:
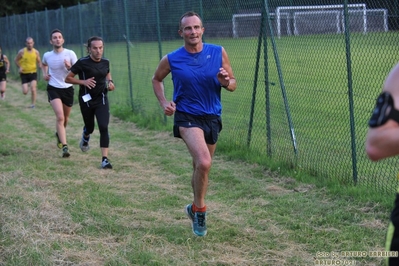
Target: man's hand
[111,85]
[67,64]
[169,108]
[223,77]
[90,83]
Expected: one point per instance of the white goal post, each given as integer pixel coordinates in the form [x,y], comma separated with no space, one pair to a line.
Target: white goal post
[308,20]
[252,21]
[375,19]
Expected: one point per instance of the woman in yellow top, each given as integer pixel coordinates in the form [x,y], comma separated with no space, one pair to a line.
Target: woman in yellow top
[27,60]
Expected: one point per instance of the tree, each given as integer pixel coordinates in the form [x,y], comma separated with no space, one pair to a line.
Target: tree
[29,6]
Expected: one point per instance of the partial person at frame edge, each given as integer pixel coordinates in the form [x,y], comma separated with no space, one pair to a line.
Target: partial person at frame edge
[383,142]
[4,70]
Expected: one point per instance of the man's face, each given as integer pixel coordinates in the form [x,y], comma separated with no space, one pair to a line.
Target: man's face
[57,40]
[29,44]
[191,30]
[96,50]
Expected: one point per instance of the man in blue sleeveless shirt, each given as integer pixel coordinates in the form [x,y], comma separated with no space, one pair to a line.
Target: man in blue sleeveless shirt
[199,71]
[383,142]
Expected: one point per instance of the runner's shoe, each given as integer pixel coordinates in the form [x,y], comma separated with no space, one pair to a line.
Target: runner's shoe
[59,143]
[105,164]
[84,143]
[65,152]
[198,220]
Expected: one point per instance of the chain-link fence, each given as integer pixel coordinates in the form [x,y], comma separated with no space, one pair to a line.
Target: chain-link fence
[308,72]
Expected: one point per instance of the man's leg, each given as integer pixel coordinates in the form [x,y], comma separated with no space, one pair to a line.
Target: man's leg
[88,120]
[25,88]
[33,85]
[103,116]
[67,112]
[58,108]
[201,154]
[3,89]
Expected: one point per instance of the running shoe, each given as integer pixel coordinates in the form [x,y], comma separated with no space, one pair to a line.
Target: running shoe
[84,143]
[198,220]
[59,143]
[105,164]
[65,152]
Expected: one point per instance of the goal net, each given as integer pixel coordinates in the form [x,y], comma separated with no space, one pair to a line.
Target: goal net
[305,20]
[373,20]
[317,19]
[248,25]
[327,22]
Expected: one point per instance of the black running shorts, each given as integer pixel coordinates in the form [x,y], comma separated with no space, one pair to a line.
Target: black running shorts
[210,124]
[26,78]
[66,95]
[3,76]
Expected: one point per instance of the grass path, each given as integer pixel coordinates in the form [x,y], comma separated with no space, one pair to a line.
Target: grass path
[68,211]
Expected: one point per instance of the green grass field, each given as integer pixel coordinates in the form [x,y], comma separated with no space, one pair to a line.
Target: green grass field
[68,211]
[315,75]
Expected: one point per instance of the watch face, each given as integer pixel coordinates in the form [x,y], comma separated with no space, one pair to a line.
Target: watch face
[384,110]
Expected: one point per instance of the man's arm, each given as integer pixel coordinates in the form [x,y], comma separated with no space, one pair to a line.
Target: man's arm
[111,85]
[44,68]
[38,60]
[163,69]
[7,63]
[225,75]
[89,83]
[383,141]
[17,58]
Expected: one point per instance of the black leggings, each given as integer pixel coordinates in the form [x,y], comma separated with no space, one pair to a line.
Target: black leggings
[101,112]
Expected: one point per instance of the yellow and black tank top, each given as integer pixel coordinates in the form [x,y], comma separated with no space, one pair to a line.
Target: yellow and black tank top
[28,61]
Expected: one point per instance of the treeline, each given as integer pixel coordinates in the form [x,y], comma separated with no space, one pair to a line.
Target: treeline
[9,8]
[28,6]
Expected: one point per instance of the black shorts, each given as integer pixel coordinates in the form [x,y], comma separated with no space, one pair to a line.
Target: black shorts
[3,76]
[26,78]
[210,124]
[66,95]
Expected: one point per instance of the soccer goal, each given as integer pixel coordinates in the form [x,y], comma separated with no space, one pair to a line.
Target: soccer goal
[316,19]
[374,20]
[248,25]
[327,22]
[307,20]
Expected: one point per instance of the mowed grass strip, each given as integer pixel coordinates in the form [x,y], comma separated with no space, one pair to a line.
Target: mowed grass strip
[68,211]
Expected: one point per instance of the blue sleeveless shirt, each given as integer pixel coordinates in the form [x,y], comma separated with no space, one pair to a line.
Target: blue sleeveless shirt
[196,87]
